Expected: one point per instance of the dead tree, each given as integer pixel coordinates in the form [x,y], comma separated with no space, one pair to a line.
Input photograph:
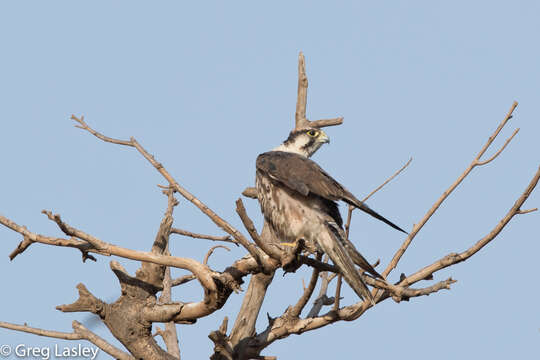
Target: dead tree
[131,316]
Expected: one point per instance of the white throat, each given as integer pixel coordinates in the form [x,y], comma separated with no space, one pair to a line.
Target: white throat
[291,148]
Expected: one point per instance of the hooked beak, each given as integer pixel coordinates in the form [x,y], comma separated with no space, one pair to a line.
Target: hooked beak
[323,138]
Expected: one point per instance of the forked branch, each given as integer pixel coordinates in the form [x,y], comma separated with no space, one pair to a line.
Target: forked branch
[476,162]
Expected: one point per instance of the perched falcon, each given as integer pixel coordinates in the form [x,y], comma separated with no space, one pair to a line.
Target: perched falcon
[298,200]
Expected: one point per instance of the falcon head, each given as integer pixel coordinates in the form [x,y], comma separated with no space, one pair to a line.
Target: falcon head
[304,141]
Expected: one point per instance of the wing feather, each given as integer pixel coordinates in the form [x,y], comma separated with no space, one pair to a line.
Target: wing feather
[304,176]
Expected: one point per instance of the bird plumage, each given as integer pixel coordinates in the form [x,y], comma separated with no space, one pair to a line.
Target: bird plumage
[298,199]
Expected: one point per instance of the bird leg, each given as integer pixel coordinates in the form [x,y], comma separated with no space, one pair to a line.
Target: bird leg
[289,260]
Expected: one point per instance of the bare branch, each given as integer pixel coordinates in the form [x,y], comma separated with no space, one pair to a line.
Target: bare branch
[162,312]
[201,271]
[417,227]
[326,122]
[23,245]
[85,302]
[497,131]
[267,247]
[225,238]
[169,334]
[32,237]
[244,325]
[301,100]
[297,309]
[209,253]
[80,333]
[71,231]
[480,163]
[99,342]
[388,180]
[182,280]
[301,120]
[399,292]
[84,126]
[454,258]
[351,208]
[338,293]
[250,192]
[228,228]
[41,332]
[322,299]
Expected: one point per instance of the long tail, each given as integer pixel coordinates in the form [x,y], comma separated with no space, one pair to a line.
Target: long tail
[351,200]
[331,243]
[359,260]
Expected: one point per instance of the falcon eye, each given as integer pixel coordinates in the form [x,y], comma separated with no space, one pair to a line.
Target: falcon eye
[312,133]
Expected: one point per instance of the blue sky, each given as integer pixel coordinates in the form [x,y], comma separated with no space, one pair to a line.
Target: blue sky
[207,87]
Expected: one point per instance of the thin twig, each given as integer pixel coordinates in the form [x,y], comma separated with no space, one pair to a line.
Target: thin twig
[209,253]
[338,293]
[480,163]
[454,258]
[71,231]
[387,180]
[225,238]
[297,309]
[417,227]
[351,208]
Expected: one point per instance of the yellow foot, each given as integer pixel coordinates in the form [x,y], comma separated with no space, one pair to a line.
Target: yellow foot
[293,244]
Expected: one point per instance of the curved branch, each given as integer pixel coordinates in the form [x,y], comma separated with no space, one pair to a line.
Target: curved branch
[209,253]
[480,163]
